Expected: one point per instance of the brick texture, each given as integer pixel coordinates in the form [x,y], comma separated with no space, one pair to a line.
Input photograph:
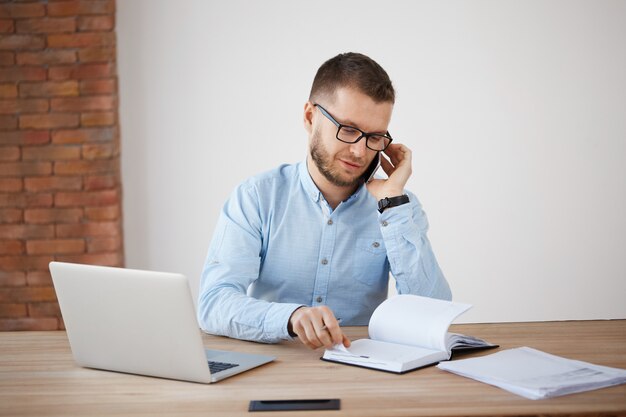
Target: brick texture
[60,183]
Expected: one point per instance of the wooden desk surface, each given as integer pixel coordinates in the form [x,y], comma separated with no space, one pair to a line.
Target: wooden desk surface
[39,378]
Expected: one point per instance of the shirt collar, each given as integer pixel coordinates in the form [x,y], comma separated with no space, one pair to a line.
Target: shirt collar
[314,193]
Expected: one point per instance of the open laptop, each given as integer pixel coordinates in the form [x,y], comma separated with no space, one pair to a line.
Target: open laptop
[139,322]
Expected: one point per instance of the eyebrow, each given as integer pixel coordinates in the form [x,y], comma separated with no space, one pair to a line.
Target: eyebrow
[352,124]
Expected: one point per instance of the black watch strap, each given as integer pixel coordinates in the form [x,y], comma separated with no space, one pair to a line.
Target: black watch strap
[387,202]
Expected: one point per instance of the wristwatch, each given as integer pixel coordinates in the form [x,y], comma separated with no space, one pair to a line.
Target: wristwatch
[387,202]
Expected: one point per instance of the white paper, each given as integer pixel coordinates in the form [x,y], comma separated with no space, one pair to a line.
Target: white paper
[415,321]
[534,374]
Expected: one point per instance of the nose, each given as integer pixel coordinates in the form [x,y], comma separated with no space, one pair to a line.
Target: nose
[358,149]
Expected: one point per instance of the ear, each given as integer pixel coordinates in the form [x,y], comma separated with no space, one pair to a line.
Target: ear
[309,111]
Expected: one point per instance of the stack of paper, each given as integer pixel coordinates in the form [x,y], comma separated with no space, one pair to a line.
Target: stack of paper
[534,374]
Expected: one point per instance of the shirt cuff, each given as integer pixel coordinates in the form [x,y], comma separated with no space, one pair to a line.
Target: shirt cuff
[277,318]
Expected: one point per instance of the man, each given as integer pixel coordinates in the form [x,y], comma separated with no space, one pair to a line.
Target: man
[300,246]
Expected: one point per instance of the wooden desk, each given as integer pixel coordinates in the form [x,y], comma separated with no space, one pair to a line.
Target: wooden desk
[38,378]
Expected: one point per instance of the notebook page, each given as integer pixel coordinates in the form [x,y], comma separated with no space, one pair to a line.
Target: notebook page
[415,320]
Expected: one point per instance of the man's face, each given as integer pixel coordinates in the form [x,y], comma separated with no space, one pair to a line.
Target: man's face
[343,164]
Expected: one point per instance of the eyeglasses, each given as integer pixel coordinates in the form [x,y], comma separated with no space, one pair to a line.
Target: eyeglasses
[350,134]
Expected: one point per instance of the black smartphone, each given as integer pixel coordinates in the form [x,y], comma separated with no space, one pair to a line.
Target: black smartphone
[368,175]
[290,405]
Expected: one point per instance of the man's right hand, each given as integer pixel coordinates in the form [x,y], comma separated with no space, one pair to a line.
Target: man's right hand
[317,327]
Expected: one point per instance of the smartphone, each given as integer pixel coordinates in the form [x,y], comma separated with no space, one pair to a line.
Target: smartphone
[371,170]
[290,405]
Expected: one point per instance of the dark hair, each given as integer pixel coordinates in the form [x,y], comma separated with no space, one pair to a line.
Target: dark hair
[354,70]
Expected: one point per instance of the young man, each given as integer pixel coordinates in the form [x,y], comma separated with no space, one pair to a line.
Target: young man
[302,245]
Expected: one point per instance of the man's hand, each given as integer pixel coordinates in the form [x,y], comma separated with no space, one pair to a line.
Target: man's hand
[317,327]
[398,170]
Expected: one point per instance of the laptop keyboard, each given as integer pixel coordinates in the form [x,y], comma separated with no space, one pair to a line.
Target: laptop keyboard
[220,366]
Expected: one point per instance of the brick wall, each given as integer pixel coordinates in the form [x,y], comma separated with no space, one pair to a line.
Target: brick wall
[60,191]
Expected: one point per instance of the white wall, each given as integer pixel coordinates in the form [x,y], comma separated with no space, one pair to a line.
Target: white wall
[515,111]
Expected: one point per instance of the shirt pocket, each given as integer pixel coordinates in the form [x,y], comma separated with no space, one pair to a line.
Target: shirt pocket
[369,260]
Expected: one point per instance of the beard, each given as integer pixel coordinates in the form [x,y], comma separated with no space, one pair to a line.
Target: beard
[324,163]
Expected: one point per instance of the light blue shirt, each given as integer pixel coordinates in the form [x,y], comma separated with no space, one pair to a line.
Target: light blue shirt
[278,246]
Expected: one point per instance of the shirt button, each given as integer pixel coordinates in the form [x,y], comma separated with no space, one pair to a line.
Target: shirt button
[330,222]
[324,261]
[375,244]
[319,299]
[385,224]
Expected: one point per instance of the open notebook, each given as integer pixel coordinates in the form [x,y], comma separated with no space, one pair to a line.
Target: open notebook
[408,332]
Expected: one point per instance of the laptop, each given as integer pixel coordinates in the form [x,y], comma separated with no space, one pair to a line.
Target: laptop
[139,322]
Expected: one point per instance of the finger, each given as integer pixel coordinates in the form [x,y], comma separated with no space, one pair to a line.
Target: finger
[346,342]
[335,335]
[324,336]
[311,334]
[397,154]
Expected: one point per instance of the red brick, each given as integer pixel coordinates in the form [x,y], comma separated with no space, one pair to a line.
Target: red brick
[103,213]
[12,279]
[18,42]
[13,310]
[97,151]
[22,74]
[104,259]
[53,215]
[81,72]
[96,229]
[101,182]
[23,262]
[7,26]
[29,324]
[71,8]
[97,54]
[25,137]
[9,153]
[25,231]
[23,200]
[55,246]
[105,86]
[87,198]
[20,169]
[49,121]
[49,89]
[39,278]
[8,122]
[47,57]
[11,185]
[104,244]
[52,183]
[44,310]
[30,105]
[50,153]
[84,135]
[95,167]
[16,10]
[96,23]
[11,247]
[10,215]
[22,10]
[8,90]
[105,118]
[46,25]
[79,40]
[82,104]
[7,58]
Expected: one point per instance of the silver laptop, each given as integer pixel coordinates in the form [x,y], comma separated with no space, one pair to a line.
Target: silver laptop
[139,322]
